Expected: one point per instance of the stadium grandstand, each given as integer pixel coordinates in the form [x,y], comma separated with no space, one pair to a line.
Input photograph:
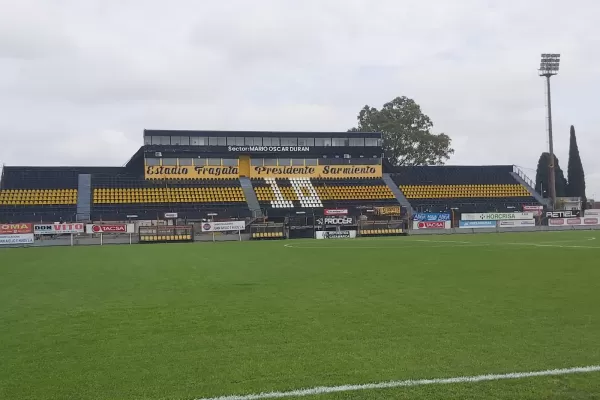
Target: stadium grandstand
[272,175]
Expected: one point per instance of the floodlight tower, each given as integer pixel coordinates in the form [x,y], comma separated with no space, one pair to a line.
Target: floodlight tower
[549,67]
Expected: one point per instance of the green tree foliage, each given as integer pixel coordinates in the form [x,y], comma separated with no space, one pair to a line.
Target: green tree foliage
[407,137]
[575,174]
[542,174]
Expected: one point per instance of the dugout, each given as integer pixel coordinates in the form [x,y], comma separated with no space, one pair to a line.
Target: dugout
[166,233]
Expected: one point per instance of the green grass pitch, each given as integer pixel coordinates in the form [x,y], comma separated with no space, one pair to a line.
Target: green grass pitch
[188,321]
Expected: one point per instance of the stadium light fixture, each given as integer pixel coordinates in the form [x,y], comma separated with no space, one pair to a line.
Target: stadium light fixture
[549,66]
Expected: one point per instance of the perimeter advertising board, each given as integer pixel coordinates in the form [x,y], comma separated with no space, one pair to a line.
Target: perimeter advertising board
[110,228]
[13,239]
[586,221]
[226,226]
[432,224]
[477,224]
[516,223]
[14,229]
[58,229]
[496,216]
[335,234]
[431,217]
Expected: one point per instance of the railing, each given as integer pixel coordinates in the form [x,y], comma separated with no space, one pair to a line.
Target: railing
[524,176]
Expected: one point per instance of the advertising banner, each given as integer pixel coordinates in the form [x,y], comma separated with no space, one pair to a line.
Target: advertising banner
[336,211]
[477,224]
[23,238]
[223,226]
[431,217]
[58,229]
[191,172]
[536,210]
[496,216]
[340,220]
[389,210]
[563,214]
[110,228]
[171,215]
[591,213]
[11,229]
[432,224]
[318,171]
[586,221]
[335,235]
[516,223]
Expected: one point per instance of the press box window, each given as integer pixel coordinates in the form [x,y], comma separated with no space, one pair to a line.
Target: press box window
[297,161]
[200,161]
[323,142]
[311,161]
[289,141]
[214,161]
[199,141]
[175,140]
[339,142]
[152,161]
[185,161]
[159,139]
[306,141]
[284,161]
[371,142]
[230,162]
[256,162]
[270,141]
[270,162]
[170,162]
[357,142]
[147,140]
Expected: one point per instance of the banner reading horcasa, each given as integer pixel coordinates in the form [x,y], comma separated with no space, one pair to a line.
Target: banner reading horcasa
[318,171]
[191,172]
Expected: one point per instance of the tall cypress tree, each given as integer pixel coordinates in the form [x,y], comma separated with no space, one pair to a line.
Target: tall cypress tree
[576,187]
[541,177]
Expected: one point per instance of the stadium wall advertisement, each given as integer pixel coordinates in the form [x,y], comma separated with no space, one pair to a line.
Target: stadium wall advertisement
[22,238]
[586,221]
[496,216]
[308,171]
[432,217]
[516,223]
[335,234]
[13,229]
[226,226]
[591,213]
[58,229]
[432,224]
[110,228]
[338,220]
[389,210]
[477,224]
[336,211]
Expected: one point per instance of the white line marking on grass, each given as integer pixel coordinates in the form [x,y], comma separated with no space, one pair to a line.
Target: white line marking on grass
[407,383]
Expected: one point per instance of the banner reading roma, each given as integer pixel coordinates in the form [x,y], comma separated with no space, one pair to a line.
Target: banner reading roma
[191,172]
[318,171]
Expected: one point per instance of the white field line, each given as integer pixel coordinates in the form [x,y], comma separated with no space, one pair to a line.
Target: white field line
[407,383]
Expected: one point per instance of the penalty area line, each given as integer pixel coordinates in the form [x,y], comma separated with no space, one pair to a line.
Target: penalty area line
[407,383]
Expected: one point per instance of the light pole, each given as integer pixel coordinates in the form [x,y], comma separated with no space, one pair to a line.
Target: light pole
[549,67]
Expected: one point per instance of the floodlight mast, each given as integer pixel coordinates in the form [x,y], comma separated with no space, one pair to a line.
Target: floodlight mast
[549,67]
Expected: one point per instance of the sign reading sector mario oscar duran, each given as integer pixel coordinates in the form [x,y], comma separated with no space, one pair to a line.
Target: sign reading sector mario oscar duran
[496,216]
[57,229]
[263,149]
[223,226]
[318,171]
[191,172]
[110,228]
[432,224]
[22,238]
[8,229]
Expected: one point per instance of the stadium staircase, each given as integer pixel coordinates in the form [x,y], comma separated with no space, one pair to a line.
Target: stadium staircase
[84,197]
[387,178]
[528,183]
[251,198]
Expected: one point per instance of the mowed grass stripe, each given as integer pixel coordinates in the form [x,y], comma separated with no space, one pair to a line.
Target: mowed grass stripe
[182,321]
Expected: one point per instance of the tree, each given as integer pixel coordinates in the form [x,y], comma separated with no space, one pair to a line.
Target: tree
[541,177]
[407,137]
[575,174]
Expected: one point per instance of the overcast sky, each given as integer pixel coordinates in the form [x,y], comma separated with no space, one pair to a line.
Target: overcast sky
[81,79]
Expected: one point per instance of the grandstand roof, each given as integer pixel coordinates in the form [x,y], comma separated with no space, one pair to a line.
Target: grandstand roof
[153,132]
